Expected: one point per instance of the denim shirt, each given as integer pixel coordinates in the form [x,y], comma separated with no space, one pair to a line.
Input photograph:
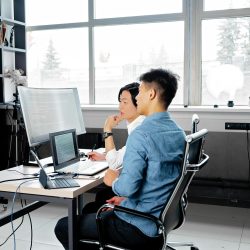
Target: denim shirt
[151,166]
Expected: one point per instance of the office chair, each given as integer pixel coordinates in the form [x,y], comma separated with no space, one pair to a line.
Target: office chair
[194,128]
[90,139]
[173,214]
[195,121]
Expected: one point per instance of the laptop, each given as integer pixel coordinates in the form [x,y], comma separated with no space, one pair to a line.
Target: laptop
[66,158]
[53,183]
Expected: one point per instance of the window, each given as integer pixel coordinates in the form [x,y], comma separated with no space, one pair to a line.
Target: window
[226,61]
[225,4]
[122,8]
[101,45]
[225,52]
[124,52]
[98,51]
[54,60]
[42,12]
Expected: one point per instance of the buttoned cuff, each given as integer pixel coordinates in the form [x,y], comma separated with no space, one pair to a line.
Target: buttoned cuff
[113,186]
[110,156]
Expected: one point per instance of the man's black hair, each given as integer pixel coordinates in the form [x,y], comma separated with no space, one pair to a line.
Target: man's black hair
[133,89]
[167,83]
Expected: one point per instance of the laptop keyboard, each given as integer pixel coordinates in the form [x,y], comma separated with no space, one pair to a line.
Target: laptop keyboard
[64,183]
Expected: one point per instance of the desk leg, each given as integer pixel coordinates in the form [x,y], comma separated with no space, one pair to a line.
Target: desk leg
[80,204]
[72,222]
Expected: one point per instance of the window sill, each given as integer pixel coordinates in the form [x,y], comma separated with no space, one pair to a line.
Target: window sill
[177,108]
[213,119]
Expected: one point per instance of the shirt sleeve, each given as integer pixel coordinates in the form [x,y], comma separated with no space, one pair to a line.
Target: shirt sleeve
[115,158]
[134,166]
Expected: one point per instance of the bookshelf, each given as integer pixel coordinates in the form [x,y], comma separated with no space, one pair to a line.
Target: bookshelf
[12,50]
[12,56]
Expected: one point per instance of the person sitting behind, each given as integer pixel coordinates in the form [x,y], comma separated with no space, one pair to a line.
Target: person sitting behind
[128,112]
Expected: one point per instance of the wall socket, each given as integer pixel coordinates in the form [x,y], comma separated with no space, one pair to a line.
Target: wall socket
[237,126]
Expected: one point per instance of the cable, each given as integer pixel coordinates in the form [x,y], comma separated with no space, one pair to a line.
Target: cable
[10,145]
[12,211]
[15,229]
[10,118]
[12,232]
[248,155]
[13,170]
[31,229]
[19,179]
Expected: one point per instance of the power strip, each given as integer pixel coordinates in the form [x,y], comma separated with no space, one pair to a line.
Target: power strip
[237,126]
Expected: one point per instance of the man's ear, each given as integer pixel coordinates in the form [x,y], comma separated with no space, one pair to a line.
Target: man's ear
[152,93]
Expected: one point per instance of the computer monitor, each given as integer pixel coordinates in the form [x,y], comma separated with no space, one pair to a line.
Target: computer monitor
[49,110]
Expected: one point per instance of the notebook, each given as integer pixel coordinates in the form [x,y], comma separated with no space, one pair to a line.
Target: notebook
[52,183]
[65,155]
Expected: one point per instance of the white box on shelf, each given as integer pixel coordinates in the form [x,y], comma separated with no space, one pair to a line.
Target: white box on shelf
[9,89]
[7,9]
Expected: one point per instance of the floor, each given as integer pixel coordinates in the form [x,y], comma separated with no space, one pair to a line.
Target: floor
[208,226]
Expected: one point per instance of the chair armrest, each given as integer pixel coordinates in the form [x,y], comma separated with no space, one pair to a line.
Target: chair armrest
[100,228]
[197,167]
[129,211]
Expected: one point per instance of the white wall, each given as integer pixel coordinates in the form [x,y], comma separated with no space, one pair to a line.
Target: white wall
[211,118]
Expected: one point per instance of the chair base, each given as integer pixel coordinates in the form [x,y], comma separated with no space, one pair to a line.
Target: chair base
[180,244]
[107,246]
[191,248]
[171,245]
[4,203]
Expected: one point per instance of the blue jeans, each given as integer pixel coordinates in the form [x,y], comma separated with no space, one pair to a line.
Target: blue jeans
[101,197]
[116,231]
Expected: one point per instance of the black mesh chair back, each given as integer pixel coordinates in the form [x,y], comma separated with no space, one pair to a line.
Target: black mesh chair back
[173,215]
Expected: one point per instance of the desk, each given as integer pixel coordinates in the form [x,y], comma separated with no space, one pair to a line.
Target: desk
[34,191]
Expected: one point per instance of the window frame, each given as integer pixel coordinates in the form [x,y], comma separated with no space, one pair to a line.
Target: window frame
[208,15]
[192,14]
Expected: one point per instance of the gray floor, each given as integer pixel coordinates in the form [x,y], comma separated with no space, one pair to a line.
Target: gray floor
[209,227]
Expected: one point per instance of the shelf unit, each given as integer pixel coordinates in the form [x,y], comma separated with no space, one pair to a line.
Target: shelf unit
[12,13]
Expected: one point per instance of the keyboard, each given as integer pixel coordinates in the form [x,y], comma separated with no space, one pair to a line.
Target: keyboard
[87,167]
[63,183]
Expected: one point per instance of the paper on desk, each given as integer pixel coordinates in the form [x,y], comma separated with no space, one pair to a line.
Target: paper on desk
[99,150]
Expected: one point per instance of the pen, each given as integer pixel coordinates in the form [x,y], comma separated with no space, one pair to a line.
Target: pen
[92,149]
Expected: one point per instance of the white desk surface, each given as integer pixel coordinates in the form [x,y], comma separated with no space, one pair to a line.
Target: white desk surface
[34,187]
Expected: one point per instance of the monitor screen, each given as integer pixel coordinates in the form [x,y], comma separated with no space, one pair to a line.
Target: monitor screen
[49,110]
[64,146]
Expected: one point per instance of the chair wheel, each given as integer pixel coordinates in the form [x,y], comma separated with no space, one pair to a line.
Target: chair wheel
[194,248]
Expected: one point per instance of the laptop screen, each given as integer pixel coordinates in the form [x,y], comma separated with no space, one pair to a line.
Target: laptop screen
[64,148]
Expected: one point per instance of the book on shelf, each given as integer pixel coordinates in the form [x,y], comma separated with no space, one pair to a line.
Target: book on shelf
[7,34]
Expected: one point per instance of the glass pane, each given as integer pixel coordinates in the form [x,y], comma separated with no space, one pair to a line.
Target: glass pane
[225,4]
[226,61]
[124,52]
[56,60]
[121,8]
[42,12]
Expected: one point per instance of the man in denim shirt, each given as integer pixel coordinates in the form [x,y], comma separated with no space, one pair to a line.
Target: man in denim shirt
[151,167]
[153,155]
